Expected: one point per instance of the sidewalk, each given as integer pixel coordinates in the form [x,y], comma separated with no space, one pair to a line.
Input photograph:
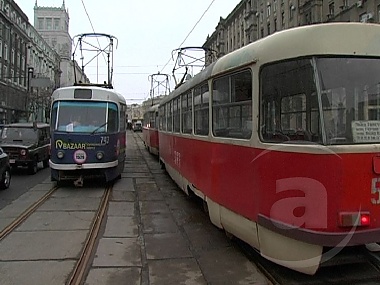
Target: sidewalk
[156,235]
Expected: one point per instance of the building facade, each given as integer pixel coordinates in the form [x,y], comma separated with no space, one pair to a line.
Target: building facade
[52,23]
[255,19]
[22,52]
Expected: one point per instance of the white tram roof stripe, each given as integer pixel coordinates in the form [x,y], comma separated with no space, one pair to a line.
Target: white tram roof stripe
[98,93]
[351,38]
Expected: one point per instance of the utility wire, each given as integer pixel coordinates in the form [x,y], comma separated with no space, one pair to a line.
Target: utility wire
[93,29]
[196,24]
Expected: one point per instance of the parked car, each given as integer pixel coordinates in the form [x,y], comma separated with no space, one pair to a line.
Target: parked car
[26,144]
[5,170]
[137,126]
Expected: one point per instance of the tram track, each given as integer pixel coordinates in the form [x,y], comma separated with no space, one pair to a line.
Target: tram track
[83,261]
[79,271]
[24,215]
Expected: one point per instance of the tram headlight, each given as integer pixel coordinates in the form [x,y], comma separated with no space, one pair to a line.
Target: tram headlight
[60,154]
[99,155]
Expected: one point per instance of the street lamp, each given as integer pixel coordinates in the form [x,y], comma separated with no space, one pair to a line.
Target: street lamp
[29,91]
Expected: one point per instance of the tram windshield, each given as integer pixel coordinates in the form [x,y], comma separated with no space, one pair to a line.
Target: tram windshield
[85,117]
[324,100]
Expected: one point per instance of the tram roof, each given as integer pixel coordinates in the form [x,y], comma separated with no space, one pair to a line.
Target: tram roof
[98,93]
[338,38]
[343,38]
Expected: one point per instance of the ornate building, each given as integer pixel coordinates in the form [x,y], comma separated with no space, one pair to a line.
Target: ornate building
[22,51]
[52,23]
[255,19]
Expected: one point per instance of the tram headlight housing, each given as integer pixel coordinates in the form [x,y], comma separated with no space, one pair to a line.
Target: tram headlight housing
[99,155]
[60,154]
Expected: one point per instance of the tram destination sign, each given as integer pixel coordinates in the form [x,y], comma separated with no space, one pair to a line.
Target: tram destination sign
[365,131]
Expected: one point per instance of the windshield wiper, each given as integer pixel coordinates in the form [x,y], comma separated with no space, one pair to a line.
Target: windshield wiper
[101,126]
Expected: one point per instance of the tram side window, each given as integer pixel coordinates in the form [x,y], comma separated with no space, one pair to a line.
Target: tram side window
[289,105]
[187,115]
[113,119]
[123,117]
[152,119]
[162,116]
[201,110]
[232,106]
[146,117]
[176,115]
[169,122]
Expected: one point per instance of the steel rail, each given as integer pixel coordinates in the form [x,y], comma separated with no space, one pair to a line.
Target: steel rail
[20,219]
[84,259]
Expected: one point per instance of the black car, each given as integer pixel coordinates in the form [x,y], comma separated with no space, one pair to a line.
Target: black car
[5,170]
[26,144]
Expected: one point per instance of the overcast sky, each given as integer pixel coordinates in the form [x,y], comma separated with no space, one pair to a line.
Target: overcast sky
[147,33]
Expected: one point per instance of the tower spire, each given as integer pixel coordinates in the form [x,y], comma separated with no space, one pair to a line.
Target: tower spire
[35,4]
[63,4]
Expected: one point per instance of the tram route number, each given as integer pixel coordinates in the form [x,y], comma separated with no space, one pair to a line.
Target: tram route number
[104,140]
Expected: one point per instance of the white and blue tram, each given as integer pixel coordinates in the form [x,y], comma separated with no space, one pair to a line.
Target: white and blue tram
[88,127]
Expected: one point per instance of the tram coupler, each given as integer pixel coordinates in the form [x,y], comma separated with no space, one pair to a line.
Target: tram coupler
[79,182]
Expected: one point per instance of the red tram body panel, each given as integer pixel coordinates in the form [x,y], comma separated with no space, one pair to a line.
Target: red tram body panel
[150,137]
[150,130]
[345,181]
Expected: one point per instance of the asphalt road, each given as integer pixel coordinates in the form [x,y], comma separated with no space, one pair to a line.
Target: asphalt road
[21,182]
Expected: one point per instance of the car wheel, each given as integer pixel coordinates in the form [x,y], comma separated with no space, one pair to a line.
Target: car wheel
[5,179]
[33,167]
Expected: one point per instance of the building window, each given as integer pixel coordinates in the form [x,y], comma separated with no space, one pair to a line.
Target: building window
[40,23]
[331,9]
[1,49]
[5,52]
[53,42]
[291,12]
[268,10]
[56,24]
[48,24]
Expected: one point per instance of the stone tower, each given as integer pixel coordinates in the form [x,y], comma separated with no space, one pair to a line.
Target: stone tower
[52,23]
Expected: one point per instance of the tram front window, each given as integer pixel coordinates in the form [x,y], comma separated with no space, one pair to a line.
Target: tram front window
[350,96]
[325,100]
[85,117]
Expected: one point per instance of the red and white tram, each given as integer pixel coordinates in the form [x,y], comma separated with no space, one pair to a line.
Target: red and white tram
[281,139]
[150,129]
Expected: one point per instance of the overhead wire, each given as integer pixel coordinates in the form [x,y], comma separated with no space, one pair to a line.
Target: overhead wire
[196,24]
[92,27]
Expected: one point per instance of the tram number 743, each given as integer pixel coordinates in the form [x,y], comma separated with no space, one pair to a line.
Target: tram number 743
[104,140]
